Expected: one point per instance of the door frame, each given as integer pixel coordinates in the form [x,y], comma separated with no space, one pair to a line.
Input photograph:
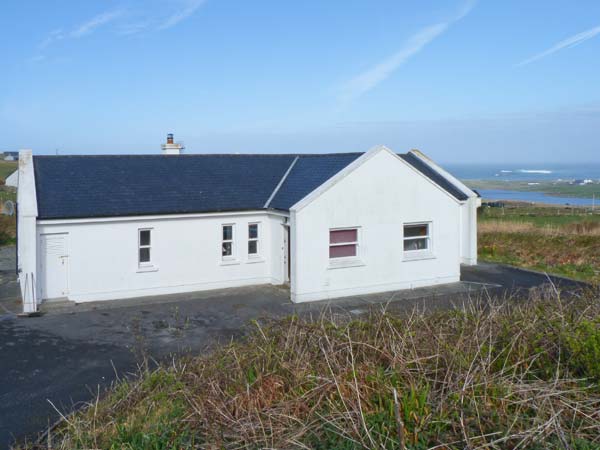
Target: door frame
[42,260]
[287,254]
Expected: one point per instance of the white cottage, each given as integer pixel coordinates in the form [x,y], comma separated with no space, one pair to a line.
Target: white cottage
[330,225]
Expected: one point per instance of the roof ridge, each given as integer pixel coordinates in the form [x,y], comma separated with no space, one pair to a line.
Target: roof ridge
[283,178]
[191,155]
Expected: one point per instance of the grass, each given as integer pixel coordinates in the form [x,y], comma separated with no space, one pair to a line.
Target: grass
[562,241]
[8,224]
[7,230]
[6,168]
[491,375]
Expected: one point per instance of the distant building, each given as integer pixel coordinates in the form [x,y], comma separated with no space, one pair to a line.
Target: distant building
[583,182]
[10,156]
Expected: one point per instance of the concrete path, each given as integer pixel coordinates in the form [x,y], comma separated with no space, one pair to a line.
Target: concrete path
[66,357]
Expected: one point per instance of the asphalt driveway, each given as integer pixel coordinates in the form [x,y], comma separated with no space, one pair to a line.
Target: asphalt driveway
[67,356]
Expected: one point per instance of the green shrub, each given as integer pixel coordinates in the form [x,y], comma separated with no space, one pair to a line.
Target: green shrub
[583,344]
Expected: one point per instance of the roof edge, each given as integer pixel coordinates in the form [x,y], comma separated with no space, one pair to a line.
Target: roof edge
[330,182]
[444,173]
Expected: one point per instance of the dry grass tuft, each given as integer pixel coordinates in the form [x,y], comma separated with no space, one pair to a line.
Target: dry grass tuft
[490,375]
[505,226]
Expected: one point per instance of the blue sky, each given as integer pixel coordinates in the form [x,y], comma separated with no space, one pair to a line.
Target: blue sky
[464,81]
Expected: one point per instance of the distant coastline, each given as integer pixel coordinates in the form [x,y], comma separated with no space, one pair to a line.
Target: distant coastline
[555,188]
[557,184]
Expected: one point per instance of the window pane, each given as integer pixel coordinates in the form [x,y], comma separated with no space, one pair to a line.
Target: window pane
[341,251]
[145,237]
[226,249]
[415,230]
[144,255]
[252,247]
[339,236]
[253,231]
[415,244]
[227,233]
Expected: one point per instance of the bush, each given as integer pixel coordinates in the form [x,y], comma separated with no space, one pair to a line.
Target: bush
[583,345]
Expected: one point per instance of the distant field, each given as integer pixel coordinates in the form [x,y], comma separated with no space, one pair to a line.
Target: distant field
[550,188]
[564,241]
[6,168]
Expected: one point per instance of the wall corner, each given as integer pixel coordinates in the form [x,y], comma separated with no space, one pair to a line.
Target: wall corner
[27,213]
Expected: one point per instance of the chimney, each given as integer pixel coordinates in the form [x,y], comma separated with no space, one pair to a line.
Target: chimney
[171,148]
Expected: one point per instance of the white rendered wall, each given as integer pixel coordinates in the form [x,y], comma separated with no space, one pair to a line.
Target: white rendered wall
[13,179]
[26,232]
[468,217]
[186,254]
[378,196]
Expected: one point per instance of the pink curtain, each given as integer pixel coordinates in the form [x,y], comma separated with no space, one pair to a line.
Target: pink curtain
[340,236]
[341,251]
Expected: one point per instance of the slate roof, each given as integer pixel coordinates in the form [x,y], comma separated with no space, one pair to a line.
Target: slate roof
[309,172]
[433,175]
[131,185]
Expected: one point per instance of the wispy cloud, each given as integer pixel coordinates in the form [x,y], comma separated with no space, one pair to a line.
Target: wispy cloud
[567,43]
[53,36]
[189,8]
[82,29]
[128,22]
[367,80]
[95,22]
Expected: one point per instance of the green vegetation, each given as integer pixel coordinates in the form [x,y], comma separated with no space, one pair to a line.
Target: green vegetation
[563,241]
[559,189]
[512,374]
[6,168]
[7,230]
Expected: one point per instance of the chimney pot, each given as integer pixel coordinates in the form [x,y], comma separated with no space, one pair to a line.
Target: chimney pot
[171,148]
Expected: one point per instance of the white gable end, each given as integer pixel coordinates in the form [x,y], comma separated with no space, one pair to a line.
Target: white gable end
[336,179]
[377,197]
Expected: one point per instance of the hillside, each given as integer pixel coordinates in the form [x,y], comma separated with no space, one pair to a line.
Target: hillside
[558,240]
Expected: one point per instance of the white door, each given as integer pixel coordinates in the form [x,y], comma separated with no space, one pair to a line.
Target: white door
[54,265]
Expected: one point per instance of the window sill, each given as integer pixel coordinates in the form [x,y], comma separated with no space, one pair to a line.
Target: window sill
[342,264]
[229,262]
[417,255]
[255,260]
[143,269]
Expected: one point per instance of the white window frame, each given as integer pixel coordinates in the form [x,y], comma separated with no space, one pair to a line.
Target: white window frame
[345,261]
[232,241]
[149,247]
[256,239]
[425,253]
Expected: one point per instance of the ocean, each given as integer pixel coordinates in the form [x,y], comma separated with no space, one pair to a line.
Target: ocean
[525,172]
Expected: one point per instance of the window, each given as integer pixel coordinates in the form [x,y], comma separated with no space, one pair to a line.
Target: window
[144,247]
[227,242]
[417,237]
[252,239]
[343,243]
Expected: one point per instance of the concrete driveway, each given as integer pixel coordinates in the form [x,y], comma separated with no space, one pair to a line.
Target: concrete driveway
[66,357]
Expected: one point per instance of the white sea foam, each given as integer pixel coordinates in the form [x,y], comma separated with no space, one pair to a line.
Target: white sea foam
[534,171]
[506,171]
